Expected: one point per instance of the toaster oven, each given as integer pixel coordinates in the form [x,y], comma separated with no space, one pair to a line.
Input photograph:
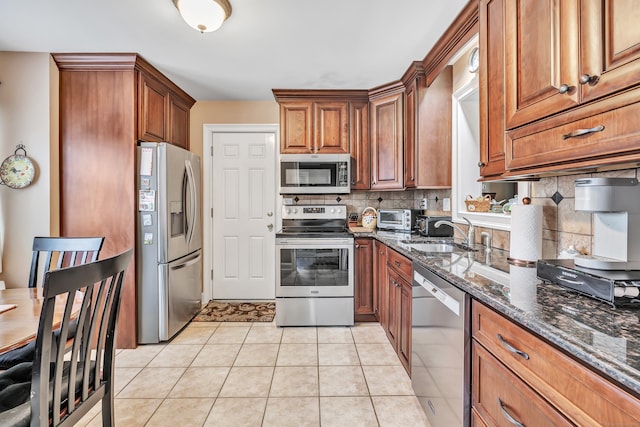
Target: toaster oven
[397,219]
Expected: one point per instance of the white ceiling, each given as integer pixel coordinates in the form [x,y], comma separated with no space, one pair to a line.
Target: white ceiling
[265,44]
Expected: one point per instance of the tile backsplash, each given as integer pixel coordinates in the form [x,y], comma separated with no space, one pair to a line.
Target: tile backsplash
[357,201]
[562,225]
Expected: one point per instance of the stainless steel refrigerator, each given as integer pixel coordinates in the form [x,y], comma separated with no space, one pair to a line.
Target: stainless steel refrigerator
[169,240]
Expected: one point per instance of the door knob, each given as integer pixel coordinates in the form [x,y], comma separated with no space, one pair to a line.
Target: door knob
[269,213]
[586,78]
[270,227]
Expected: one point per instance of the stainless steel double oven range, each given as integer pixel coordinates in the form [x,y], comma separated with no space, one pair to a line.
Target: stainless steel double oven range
[314,267]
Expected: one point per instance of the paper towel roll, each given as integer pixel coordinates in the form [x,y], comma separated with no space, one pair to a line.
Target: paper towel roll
[526,233]
[523,287]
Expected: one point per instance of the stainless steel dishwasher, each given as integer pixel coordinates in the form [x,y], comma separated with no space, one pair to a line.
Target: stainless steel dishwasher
[440,348]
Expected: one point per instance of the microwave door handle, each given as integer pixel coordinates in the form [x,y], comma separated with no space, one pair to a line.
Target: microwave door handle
[193,200]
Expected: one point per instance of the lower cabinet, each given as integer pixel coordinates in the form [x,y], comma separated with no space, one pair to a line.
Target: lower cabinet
[397,322]
[519,378]
[364,291]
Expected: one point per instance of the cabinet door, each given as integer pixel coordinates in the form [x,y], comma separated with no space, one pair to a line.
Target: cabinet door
[501,398]
[296,127]
[380,282]
[359,145]
[492,135]
[610,53]
[386,143]
[364,288]
[331,127]
[433,148]
[404,337]
[178,122]
[394,283]
[411,133]
[152,110]
[542,57]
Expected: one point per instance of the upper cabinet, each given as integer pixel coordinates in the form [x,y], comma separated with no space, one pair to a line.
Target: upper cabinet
[542,58]
[559,85]
[359,141]
[492,126]
[163,111]
[386,115]
[316,121]
[561,54]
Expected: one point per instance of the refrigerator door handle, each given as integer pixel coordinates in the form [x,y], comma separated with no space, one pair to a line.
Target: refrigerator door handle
[193,201]
[187,263]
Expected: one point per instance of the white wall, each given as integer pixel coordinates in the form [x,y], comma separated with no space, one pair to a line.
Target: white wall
[24,119]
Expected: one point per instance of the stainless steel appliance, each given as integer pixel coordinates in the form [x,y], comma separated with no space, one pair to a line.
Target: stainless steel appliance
[314,267]
[616,287]
[169,261]
[315,173]
[426,226]
[440,348]
[615,204]
[397,219]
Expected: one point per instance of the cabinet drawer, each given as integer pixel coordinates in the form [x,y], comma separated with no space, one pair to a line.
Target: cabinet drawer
[401,264]
[592,140]
[580,394]
[501,398]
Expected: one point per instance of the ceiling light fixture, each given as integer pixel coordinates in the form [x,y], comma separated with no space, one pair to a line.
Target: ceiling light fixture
[204,15]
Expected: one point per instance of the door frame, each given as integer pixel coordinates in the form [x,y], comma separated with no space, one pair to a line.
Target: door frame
[207,191]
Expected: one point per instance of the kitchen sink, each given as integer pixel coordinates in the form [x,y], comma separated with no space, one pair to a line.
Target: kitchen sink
[437,247]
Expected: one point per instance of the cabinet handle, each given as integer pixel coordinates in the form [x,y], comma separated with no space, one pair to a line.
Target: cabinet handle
[512,349]
[586,78]
[581,132]
[481,164]
[394,283]
[508,416]
[564,89]
[397,263]
[353,183]
[357,246]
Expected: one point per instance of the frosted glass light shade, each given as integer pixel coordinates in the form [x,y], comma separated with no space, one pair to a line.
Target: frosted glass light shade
[204,15]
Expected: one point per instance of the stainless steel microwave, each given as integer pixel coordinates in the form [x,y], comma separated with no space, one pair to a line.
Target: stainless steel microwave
[315,173]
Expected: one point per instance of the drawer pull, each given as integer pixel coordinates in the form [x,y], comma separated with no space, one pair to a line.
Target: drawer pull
[512,349]
[581,132]
[564,89]
[508,416]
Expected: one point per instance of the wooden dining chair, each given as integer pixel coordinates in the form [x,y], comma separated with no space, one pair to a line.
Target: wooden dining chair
[65,383]
[55,253]
[59,252]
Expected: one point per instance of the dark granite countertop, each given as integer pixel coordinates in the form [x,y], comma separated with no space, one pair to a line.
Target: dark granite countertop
[605,338]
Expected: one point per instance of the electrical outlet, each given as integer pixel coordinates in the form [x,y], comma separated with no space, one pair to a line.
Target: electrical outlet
[423,204]
[287,201]
[446,204]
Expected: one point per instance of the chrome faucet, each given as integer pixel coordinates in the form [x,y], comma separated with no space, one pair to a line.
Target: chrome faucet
[469,237]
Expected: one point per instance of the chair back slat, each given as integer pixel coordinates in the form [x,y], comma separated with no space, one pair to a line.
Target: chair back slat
[71,377]
[62,252]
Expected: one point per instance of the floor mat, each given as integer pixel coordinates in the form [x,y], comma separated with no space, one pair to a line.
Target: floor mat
[217,311]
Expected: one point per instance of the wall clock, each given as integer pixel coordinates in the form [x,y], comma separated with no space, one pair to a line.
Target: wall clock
[474,60]
[17,171]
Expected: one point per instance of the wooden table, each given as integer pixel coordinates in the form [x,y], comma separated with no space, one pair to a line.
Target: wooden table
[19,325]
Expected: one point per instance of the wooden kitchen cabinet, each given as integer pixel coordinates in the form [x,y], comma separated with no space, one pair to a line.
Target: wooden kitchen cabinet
[398,319]
[541,58]
[415,79]
[387,148]
[381,300]
[162,115]
[511,361]
[365,292]
[359,145]
[492,81]
[107,102]
[318,121]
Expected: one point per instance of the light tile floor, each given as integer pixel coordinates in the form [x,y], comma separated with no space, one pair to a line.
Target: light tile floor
[256,374]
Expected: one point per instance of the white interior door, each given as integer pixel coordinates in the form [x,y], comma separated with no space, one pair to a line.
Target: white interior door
[243,214]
